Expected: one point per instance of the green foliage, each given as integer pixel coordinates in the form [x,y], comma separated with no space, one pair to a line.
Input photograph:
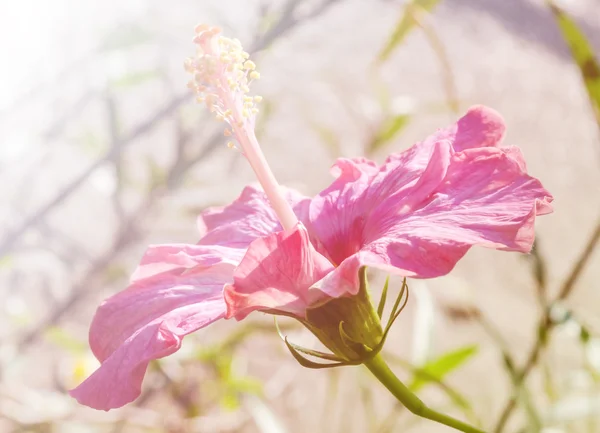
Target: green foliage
[267,109]
[64,340]
[329,138]
[438,368]
[582,53]
[6,261]
[423,377]
[405,24]
[390,128]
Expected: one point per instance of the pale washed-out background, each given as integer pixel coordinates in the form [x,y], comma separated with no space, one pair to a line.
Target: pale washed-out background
[93,110]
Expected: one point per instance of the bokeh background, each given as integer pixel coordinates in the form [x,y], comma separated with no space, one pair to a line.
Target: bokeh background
[103,151]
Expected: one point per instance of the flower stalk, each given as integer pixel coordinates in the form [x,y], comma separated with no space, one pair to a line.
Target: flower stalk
[382,372]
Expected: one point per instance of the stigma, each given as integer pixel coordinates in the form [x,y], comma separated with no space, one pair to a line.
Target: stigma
[221,77]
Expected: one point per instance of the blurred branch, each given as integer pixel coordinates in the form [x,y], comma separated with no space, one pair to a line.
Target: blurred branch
[405,25]
[288,21]
[569,283]
[59,125]
[421,17]
[545,325]
[284,24]
[146,126]
[113,129]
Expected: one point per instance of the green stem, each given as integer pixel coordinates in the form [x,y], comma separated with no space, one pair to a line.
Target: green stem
[382,372]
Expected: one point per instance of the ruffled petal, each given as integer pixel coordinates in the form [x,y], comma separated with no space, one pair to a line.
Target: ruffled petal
[337,214]
[148,320]
[341,216]
[479,127]
[485,198]
[248,218]
[276,274]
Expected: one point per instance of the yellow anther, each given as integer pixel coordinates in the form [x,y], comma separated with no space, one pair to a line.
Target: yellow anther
[231,144]
[254,110]
[245,88]
[245,112]
[200,99]
[258,99]
[220,117]
[249,65]
[254,75]
[227,133]
[247,99]
[244,55]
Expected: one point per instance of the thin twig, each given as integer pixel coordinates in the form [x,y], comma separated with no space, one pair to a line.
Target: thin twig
[545,326]
[74,185]
[420,17]
[286,23]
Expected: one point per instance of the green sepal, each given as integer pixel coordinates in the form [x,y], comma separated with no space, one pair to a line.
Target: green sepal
[349,326]
[350,342]
[394,314]
[383,298]
[304,362]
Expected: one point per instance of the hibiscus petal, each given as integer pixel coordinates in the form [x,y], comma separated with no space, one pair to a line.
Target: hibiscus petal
[339,215]
[148,320]
[276,274]
[249,217]
[479,127]
[486,198]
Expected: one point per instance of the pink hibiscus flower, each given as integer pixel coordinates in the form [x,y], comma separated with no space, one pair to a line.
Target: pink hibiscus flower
[415,215]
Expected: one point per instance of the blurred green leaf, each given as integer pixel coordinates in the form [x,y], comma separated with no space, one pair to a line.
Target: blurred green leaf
[64,340]
[441,366]
[584,335]
[582,53]
[230,401]
[455,396]
[329,138]
[389,129]
[539,269]
[134,79]
[549,386]
[158,175]
[405,25]
[116,272]
[247,385]
[267,108]
[6,261]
